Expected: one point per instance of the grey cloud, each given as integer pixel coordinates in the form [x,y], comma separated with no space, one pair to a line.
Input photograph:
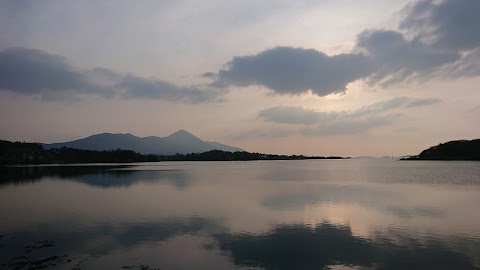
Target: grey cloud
[34,72]
[300,115]
[396,59]
[291,115]
[447,24]
[158,89]
[436,39]
[393,103]
[209,75]
[381,57]
[381,106]
[348,126]
[343,122]
[468,66]
[288,70]
[423,102]
[443,40]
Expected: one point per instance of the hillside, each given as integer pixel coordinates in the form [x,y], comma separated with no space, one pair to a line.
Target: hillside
[453,150]
[181,142]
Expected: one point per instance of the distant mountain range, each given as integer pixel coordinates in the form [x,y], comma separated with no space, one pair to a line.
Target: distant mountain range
[181,142]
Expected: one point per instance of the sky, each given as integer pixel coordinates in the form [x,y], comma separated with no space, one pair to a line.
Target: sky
[325,77]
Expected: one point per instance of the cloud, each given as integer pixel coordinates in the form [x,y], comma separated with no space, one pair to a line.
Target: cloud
[395,59]
[381,57]
[291,115]
[139,87]
[343,122]
[288,70]
[34,72]
[447,24]
[348,126]
[422,102]
[436,39]
[300,115]
[393,103]
[209,75]
[468,66]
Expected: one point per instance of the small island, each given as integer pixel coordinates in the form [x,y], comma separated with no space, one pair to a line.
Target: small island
[452,150]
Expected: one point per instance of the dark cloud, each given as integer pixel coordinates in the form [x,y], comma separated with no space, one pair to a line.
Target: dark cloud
[446,24]
[343,122]
[395,59]
[288,70]
[34,72]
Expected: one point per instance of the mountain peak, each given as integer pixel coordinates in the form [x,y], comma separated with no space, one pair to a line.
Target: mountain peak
[182,133]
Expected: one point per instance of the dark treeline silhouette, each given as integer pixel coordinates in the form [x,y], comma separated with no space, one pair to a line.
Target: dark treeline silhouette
[453,150]
[34,153]
[218,155]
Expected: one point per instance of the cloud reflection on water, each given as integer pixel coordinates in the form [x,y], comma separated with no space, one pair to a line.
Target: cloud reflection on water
[299,246]
[370,196]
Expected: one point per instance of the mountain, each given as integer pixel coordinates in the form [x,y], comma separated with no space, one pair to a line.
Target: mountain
[181,142]
[453,150]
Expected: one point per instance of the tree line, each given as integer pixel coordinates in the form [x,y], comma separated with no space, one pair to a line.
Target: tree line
[34,153]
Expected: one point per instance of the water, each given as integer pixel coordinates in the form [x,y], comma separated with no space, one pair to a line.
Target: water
[313,214]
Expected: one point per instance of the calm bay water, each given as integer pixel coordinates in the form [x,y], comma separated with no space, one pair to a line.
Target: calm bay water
[313,214]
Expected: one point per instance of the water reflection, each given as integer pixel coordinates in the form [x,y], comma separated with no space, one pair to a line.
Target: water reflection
[283,247]
[60,241]
[301,246]
[241,215]
[372,196]
[101,176]
[375,171]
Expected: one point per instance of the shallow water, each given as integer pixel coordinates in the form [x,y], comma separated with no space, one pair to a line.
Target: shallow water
[311,214]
